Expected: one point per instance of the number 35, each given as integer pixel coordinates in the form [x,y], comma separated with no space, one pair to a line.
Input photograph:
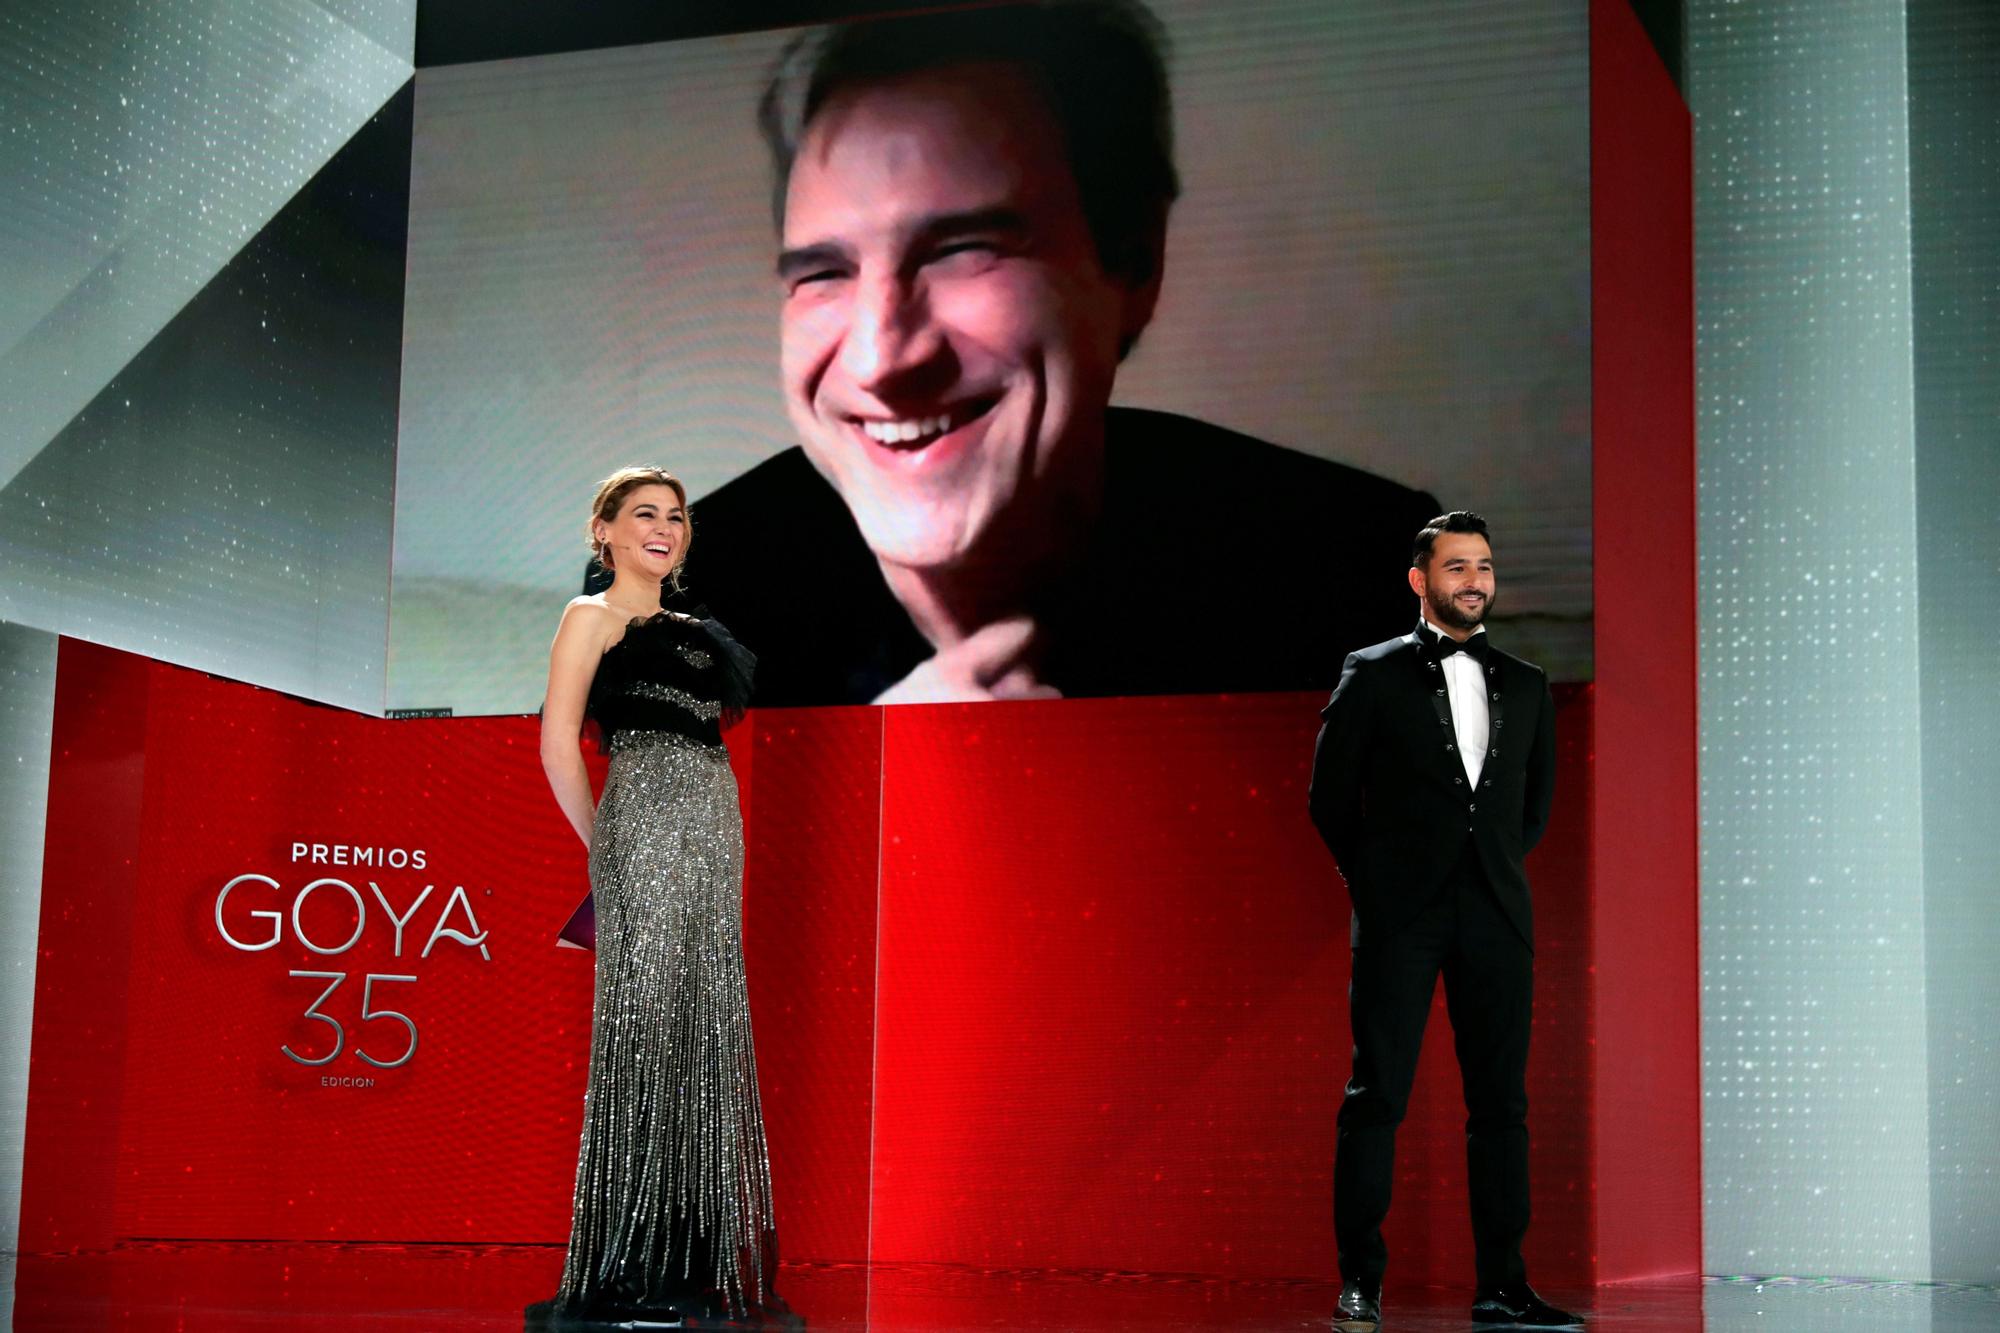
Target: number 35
[340,1033]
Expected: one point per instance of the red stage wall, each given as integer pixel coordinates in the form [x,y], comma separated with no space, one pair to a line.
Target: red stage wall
[1112,1024]
[1646,946]
[1071,972]
[161,1102]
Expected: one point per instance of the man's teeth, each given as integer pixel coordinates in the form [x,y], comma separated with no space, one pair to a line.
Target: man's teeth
[904,432]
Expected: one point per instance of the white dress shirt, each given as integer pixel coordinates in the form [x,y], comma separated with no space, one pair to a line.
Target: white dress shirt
[1465,683]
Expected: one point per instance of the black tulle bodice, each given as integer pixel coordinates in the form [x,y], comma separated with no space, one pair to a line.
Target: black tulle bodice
[672,673]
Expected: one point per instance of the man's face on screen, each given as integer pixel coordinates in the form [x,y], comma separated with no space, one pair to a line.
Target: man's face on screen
[949,335]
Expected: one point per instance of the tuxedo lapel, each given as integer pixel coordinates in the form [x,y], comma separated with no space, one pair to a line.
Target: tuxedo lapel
[1496,700]
[1498,674]
[1430,676]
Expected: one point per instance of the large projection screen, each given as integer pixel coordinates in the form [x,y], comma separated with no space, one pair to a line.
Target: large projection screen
[1379,257]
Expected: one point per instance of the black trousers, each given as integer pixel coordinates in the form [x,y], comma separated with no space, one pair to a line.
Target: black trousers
[1488,973]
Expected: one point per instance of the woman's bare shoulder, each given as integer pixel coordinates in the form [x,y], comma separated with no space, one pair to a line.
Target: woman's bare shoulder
[588,616]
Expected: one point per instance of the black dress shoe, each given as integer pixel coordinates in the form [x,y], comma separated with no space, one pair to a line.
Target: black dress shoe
[1359,1310]
[1518,1307]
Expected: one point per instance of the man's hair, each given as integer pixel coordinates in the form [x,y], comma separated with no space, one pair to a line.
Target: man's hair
[1458,520]
[1100,65]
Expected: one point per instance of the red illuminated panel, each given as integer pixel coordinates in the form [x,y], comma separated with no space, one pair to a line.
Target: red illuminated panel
[809,928]
[1112,1023]
[1643,524]
[97,778]
[1099,1022]
[163,1102]
[473,1137]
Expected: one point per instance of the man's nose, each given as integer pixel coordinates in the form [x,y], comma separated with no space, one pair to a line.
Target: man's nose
[890,335]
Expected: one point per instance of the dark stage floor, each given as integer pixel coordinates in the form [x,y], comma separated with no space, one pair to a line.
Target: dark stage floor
[225,1287]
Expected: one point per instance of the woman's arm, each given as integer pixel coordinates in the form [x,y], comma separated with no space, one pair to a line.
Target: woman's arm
[572,662]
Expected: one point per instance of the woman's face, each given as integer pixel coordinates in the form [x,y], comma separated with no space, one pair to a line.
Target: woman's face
[649,536]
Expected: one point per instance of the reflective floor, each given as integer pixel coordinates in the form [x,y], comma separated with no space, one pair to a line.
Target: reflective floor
[226,1287]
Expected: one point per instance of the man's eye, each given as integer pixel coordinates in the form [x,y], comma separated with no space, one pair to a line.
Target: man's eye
[817,278]
[966,254]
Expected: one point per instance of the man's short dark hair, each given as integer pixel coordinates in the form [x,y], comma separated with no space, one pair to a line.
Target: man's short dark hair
[1099,64]
[1458,520]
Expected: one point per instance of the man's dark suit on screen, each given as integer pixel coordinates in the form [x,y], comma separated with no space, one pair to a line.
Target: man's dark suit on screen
[1435,874]
[1219,563]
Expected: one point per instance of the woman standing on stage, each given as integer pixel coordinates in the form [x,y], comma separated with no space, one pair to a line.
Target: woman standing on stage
[673,1184]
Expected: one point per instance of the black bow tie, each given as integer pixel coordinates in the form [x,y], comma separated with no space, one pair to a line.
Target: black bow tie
[1474,647]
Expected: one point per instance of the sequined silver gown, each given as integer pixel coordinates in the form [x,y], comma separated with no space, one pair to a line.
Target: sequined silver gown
[673,1183]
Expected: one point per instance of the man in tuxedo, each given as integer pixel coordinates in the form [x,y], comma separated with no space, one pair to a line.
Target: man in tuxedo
[1431,782]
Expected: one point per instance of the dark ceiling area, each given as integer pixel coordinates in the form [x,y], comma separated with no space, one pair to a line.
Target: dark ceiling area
[456,32]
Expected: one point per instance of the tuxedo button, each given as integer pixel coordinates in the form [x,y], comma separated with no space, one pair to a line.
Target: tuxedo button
[1447,747]
[1487,783]
[1458,782]
[1496,698]
[1440,691]
[1471,807]
[1492,754]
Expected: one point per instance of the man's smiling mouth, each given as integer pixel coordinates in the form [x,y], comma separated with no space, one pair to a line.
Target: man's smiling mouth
[917,432]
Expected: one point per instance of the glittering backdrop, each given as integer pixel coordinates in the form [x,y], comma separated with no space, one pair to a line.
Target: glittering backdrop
[219,491]
[1846,260]
[145,145]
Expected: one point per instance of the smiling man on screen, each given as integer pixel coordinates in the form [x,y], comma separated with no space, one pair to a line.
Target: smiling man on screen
[972,209]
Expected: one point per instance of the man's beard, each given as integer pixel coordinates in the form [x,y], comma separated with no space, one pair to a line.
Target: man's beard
[1446,612]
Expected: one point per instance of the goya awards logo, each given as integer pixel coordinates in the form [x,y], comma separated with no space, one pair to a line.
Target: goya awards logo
[379,895]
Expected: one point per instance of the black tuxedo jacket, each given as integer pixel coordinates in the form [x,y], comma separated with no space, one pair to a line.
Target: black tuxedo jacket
[1389,792]
[1220,563]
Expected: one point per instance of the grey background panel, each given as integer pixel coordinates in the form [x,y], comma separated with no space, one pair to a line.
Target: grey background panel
[1815,1076]
[1848,256]
[27,706]
[1954,82]
[225,503]
[144,145]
